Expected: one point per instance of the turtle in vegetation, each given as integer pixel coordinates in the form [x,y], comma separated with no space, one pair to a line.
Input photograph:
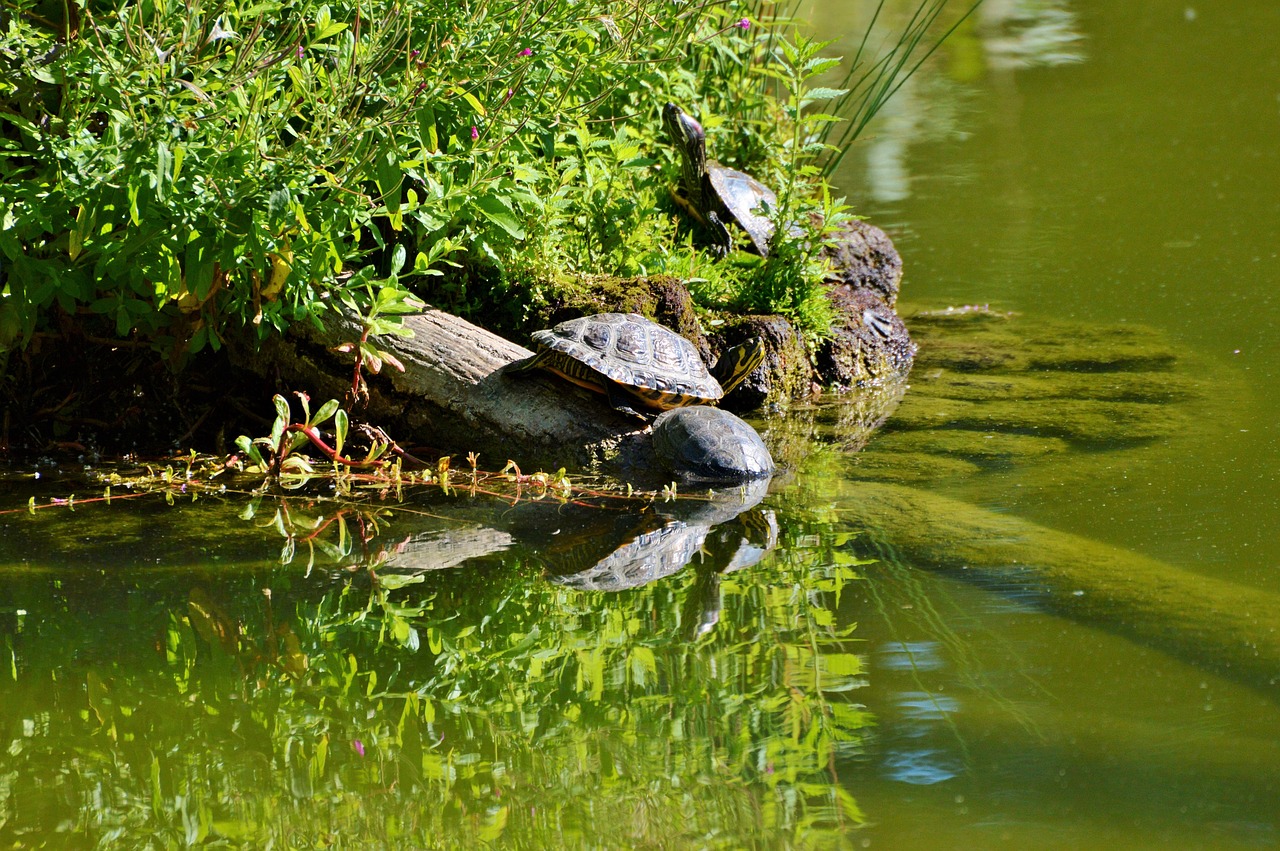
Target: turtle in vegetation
[716,195]
[701,444]
[633,360]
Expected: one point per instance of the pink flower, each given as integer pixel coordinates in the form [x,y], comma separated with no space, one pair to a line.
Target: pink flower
[475,132]
[357,746]
[528,51]
[744,24]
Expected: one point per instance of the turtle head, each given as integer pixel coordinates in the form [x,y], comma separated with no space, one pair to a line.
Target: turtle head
[739,362]
[690,140]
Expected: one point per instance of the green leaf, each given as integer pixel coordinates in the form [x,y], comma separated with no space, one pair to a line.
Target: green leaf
[471,99]
[427,128]
[819,64]
[278,204]
[305,401]
[132,191]
[326,411]
[164,168]
[199,267]
[330,29]
[297,465]
[340,426]
[325,25]
[495,210]
[248,448]
[123,323]
[397,259]
[389,177]
[822,93]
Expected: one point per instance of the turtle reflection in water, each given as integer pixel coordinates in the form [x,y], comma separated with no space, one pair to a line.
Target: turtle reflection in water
[721,533]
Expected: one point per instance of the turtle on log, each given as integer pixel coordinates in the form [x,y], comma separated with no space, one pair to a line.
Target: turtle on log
[637,362]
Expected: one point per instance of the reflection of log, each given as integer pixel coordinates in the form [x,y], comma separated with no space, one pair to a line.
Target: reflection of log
[1230,629]
[441,549]
[452,396]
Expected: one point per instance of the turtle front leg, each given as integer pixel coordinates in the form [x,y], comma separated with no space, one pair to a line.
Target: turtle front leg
[721,239]
[621,400]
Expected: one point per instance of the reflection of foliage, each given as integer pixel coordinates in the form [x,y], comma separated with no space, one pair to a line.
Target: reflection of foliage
[480,707]
[1029,33]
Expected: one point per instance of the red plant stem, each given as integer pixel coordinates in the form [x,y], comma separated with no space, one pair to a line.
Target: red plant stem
[314,436]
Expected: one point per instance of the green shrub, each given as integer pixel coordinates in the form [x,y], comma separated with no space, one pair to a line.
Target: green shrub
[186,172]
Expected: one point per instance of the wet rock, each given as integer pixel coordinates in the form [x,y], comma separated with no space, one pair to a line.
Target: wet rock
[869,343]
[785,374]
[863,257]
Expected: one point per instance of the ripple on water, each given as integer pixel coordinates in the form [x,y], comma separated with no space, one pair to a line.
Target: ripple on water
[921,766]
[910,656]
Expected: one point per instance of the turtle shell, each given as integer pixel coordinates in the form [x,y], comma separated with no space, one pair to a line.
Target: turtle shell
[655,365]
[741,195]
[705,444]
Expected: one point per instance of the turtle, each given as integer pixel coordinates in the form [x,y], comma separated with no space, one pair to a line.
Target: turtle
[714,194]
[702,445]
[635,361]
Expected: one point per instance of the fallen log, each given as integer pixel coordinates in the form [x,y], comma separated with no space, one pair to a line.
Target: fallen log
[454,395]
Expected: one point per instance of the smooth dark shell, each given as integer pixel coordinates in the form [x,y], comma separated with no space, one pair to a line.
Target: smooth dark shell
[635,352]
[705,444]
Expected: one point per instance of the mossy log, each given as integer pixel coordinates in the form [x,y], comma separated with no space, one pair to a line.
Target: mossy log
[1227,628]
[454,396]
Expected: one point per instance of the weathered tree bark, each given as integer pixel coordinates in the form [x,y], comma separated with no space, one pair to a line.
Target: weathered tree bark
[455,397]
[1227,628]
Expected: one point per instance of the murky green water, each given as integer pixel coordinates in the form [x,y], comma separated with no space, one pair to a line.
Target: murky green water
[1038,611]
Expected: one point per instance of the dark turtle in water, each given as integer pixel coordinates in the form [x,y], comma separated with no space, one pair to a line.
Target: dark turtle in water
[717,195]
[702,444]
[634,360]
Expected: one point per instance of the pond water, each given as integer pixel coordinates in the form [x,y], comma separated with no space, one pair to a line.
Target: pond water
[1038,610]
